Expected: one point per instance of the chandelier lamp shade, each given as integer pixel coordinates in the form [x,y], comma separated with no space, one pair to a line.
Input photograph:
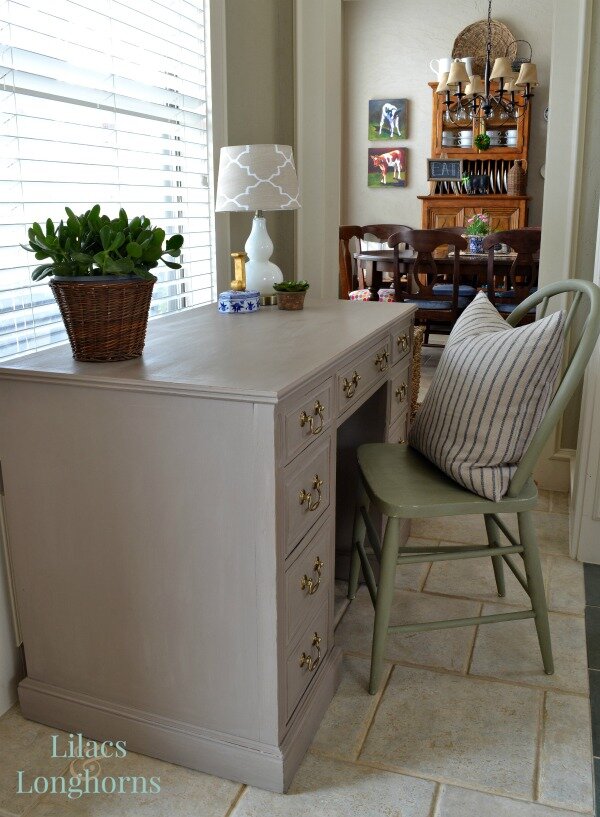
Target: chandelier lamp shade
[258,178]
[471,98]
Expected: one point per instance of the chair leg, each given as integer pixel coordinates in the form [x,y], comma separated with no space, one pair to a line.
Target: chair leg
[358,535]
[535,581]
[385,594]
[493,536]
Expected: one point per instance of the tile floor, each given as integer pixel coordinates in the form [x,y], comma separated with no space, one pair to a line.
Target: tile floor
[465,724]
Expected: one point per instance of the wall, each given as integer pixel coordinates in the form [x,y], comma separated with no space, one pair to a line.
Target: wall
[259,40]
[388,46]
[9,658]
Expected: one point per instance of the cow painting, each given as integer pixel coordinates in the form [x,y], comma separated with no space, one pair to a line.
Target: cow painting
[387,119]
[386,164]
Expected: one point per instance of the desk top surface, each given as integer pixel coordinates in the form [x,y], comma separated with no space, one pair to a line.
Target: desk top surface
[260,356]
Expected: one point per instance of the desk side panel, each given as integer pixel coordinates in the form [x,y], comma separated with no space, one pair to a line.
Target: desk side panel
[144,559]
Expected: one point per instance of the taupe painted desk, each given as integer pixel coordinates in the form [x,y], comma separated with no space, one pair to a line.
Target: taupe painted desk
[171,526]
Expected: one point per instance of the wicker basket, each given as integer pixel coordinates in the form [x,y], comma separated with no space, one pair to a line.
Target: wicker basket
[471,42]
[516,182]
[105,318]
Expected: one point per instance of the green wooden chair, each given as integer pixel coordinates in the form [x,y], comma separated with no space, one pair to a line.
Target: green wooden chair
[402,484]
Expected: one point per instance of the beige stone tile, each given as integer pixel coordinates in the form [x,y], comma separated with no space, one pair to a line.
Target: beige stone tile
[474,578]
[566,760]
[455,802]
[441,648]
[411,577]
[510,651]
[543,500]
[349,714]
[552,530]
[183,792]
[24,746]
[566,593]
[329,788]
[340,600]
[559,502]
[455,728]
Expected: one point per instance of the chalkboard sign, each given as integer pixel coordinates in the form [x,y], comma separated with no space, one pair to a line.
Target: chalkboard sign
[444,170]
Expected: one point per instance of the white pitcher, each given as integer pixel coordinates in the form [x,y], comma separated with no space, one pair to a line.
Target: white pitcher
[441,66]
[468,61]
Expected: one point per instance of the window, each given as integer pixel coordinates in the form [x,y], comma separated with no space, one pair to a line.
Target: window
[102,101]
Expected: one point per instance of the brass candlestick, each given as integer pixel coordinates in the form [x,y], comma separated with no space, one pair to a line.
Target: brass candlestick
[239,269]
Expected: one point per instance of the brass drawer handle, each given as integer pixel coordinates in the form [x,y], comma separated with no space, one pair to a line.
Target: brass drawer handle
[402,341]
[310,585]
[308,660]
[349,386]
[318,412]
[401,392]
[306,496]
[382,360]
[401,441]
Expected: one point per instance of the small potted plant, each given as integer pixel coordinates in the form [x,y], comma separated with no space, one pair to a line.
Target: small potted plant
[290,294]
[102,278]
[478,226]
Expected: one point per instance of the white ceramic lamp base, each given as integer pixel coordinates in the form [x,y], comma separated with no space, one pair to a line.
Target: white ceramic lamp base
[261,273]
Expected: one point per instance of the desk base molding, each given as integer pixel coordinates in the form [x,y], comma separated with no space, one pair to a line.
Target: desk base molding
[228,756]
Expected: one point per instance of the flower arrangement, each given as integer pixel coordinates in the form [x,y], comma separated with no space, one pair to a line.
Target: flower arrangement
[479,224]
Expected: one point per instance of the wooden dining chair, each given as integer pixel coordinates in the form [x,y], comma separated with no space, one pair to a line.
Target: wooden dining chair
[434,306]
[402,484]
[521,280]
[352,275]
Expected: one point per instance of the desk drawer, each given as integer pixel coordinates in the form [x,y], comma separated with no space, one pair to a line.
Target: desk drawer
[307,419]
[398,433]
[308,580]
[306,488]
[401,342]
[358,376]
[306,656]
[399,394]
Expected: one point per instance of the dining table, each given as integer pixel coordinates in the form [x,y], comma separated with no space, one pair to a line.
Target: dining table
[473,266]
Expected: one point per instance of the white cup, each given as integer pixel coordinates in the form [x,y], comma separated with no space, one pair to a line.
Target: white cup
[441,66]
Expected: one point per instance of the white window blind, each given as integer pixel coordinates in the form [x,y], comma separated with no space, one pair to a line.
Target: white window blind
[102,101]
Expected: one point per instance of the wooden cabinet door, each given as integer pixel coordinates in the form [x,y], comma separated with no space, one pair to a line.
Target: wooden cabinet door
[443,216]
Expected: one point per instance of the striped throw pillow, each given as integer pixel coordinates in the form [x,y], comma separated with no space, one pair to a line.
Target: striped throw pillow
[489,394]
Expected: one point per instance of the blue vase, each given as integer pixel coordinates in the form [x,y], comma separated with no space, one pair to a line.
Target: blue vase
[475,244]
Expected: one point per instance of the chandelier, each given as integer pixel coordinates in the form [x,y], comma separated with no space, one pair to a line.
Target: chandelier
[471,98]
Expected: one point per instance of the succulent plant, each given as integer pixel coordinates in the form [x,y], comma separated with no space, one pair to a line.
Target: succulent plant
[94,244]
[291,286]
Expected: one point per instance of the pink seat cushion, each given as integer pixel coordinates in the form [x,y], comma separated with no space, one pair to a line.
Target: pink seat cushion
[385,295]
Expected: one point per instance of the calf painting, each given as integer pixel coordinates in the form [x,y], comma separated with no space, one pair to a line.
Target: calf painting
[387,168]
[387,119]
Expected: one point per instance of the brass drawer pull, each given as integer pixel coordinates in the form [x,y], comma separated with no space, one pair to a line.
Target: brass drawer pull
[402,341]
[308,660]
[310,585]
[318,411]
[350,386]
[401,392]
[306,496]
[401,441]
[382,360]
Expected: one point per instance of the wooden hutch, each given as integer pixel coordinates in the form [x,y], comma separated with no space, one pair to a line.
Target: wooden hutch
[448,204]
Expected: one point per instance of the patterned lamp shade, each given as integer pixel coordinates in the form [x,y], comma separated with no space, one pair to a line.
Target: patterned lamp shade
[257,177]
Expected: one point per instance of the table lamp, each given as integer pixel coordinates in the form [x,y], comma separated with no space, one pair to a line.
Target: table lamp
[259,178]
